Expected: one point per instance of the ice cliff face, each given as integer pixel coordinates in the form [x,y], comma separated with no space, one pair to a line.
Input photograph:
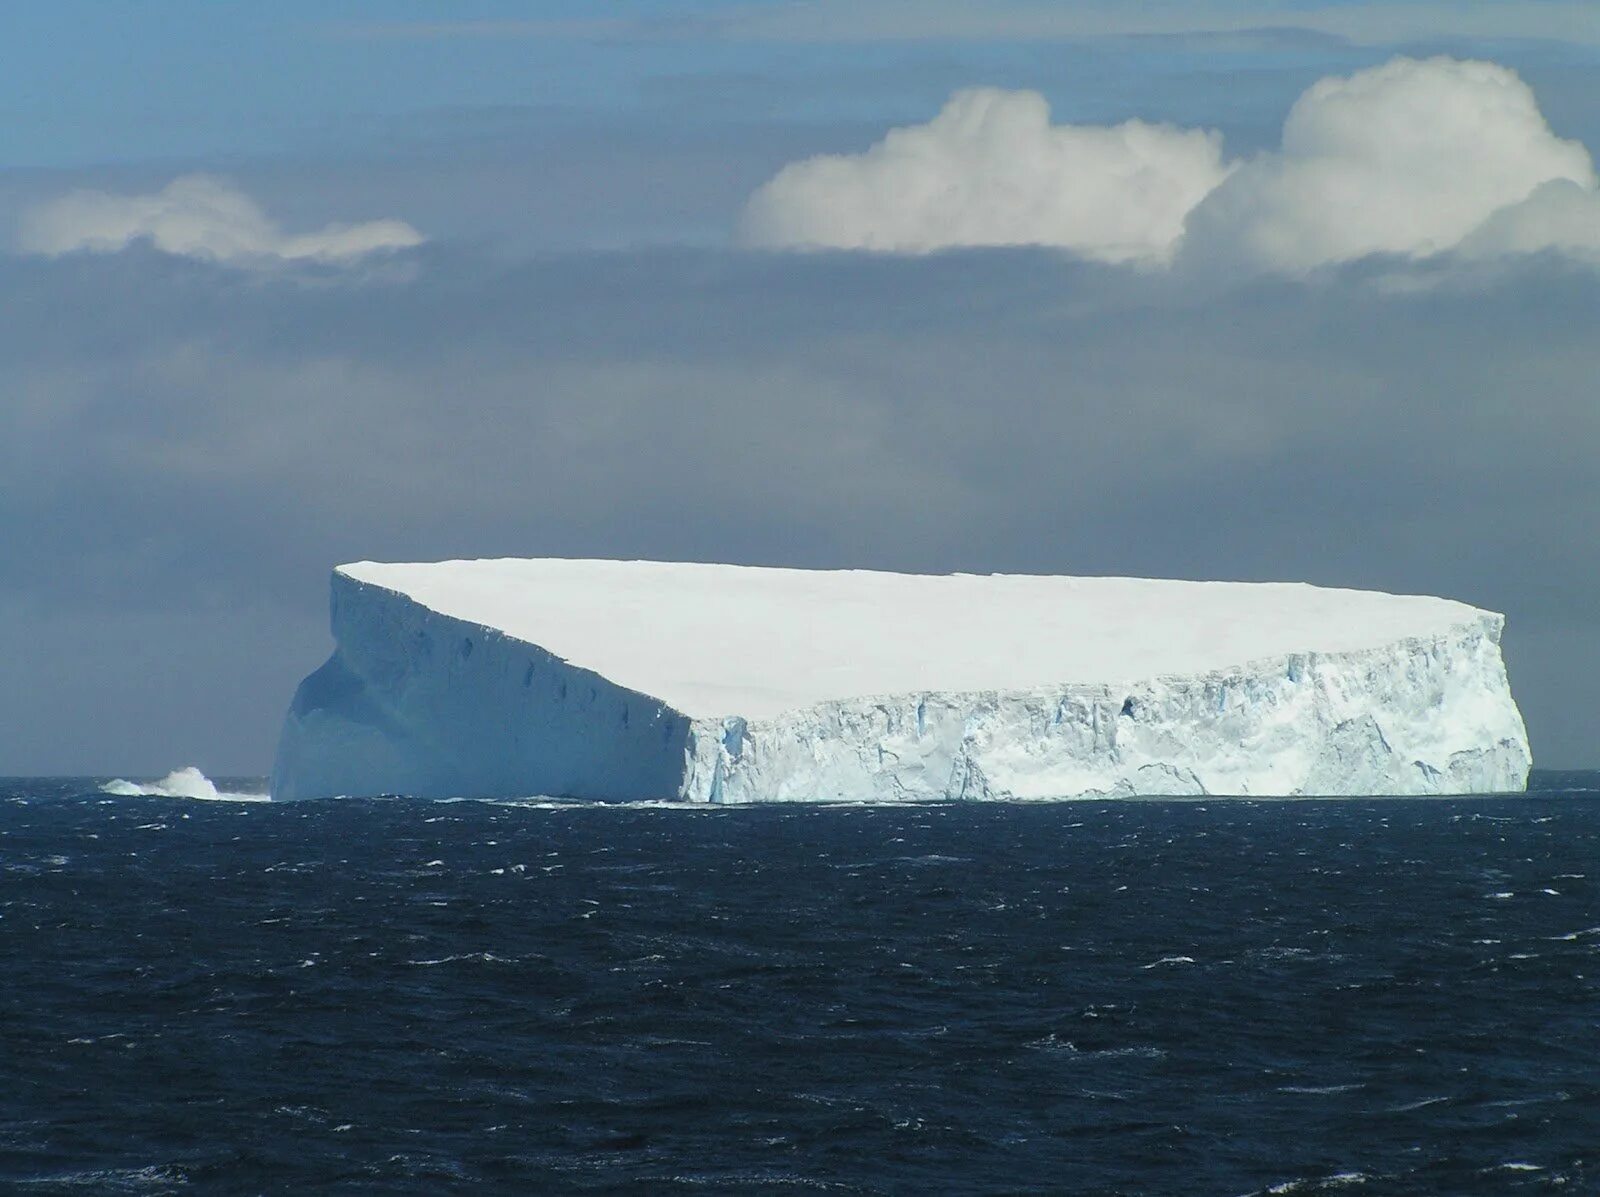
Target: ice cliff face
[711,684]
[1429,716]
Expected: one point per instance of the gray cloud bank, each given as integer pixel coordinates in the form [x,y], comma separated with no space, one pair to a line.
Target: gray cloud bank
[836,21]
[188,448]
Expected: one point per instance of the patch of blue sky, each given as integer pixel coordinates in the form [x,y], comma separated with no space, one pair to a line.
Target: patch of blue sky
[93,82]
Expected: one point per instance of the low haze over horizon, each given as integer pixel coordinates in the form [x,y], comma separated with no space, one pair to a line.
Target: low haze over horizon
[1224,291]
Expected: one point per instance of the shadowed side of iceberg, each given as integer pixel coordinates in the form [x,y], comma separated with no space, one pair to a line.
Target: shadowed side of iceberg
[415,702]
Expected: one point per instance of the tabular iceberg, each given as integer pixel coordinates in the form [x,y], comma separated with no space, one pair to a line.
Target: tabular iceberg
[722,683]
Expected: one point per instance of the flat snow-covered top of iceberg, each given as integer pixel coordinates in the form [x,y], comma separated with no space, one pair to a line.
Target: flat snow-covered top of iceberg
[726,639]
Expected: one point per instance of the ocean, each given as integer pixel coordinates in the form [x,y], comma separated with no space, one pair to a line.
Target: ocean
[1099,997]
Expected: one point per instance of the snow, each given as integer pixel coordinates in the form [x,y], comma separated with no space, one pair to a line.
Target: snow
[713,640]
[732,683]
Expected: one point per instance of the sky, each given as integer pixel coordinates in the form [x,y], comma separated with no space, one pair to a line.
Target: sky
[1211,290]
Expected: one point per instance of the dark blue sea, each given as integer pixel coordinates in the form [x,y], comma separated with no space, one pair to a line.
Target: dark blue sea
[1139,997]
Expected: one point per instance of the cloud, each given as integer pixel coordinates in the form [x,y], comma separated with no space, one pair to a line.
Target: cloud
[196,216]
[1559,215]
[1411,158]
[991,169]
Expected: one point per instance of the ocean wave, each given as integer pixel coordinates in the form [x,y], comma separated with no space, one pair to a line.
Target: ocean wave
[1318,1184]
[540,802]
[188,782]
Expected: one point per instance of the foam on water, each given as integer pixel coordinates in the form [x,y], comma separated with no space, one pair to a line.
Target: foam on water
[187,782]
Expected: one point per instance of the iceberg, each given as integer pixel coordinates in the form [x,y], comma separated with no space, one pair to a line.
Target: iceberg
[632,680]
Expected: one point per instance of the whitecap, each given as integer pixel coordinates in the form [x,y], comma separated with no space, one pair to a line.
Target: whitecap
[1066,1047]
[480,957]
[1314,1184]
[1416,1105]
[188,782]
[1318,1089]
[155,1176]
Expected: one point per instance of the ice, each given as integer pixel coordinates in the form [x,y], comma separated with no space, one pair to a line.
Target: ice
[719,683]
[180,783]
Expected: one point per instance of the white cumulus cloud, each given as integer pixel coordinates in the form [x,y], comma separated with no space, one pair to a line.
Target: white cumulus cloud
[1559,215]
[200,217]
[991,169]
[1411,158]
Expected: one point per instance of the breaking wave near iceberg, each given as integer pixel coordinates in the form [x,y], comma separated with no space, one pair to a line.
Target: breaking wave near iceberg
[187,782]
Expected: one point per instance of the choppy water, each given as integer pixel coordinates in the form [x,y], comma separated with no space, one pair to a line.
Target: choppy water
[1210,997]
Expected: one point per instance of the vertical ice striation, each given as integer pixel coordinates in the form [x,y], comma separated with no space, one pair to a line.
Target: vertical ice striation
[710,683]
